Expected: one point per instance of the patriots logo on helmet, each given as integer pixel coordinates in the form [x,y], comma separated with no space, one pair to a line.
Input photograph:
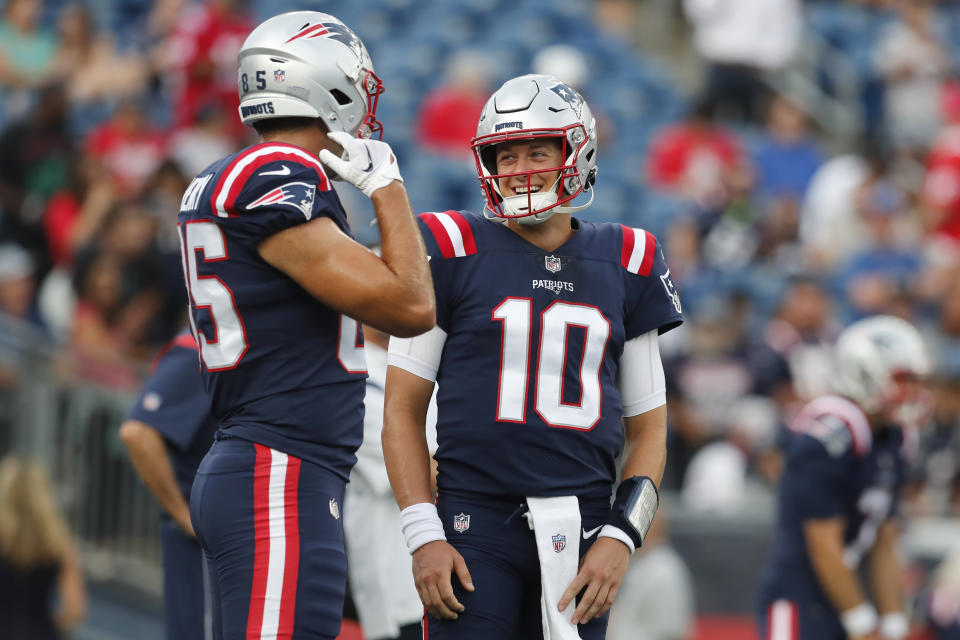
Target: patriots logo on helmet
[569,96]
[332,30]
[299,195]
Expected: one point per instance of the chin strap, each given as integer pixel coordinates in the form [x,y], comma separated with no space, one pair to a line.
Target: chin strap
[536,218]
[574,209]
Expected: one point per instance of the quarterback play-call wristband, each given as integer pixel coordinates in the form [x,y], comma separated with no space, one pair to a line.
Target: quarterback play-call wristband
[633,509]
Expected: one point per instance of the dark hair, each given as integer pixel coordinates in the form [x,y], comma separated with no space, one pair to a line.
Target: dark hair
[270,126]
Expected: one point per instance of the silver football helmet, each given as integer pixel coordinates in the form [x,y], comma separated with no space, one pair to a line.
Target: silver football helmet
[872,355]
[535,107]
[309,64]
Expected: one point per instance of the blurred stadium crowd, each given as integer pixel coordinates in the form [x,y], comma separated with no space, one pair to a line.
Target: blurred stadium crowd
[808,176]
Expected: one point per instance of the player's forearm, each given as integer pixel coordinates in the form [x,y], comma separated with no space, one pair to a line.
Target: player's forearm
[645,449]
[148,453]
[407,459]
[403,250]
[824,541]
[885,570]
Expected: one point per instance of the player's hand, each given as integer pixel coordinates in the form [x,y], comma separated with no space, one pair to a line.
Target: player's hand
[432,565]
[601,572]
[366,164]
[186,525]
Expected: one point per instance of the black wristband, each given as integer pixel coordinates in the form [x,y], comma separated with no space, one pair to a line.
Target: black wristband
[634,506]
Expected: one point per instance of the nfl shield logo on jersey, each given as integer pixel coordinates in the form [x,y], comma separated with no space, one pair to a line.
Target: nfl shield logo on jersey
[334,509]
[552,263]
[559,542]
[461,522]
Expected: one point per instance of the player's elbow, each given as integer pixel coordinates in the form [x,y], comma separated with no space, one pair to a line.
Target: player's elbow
[133,434]
[418,317]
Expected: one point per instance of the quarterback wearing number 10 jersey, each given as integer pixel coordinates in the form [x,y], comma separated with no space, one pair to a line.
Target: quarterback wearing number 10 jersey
[266,344]
[536,410]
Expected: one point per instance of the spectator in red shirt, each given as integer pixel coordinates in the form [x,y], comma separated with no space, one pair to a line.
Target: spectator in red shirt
[694,158]
[448,118]
[126,148]
[201,55]
[940,194]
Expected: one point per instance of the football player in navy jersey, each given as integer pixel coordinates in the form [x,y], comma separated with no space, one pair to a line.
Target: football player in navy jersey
[838,494]
[277,289]
[167,433]
[546,357]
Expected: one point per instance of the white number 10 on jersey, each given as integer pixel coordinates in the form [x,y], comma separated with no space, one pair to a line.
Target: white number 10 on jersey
[516,314]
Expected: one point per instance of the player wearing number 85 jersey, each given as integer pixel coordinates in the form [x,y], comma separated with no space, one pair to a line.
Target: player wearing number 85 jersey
[276,287]
[545,353]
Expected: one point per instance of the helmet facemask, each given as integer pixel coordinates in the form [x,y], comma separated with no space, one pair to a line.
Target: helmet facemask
[532,207]
[373,87]
[906,399]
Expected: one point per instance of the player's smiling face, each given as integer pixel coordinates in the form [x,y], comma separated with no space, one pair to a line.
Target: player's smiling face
[531,155]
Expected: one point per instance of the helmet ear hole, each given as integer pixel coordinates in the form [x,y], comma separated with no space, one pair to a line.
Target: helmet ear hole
[340,97]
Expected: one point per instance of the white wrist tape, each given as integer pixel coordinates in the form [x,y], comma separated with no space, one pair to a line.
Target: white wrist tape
[894,626]
[860,620]
[611,531]
[420,524]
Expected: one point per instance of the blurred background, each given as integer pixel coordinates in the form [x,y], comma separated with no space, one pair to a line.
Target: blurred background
[800,162]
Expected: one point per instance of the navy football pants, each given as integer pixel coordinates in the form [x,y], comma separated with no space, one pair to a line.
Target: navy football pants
[501,555]
[187,600]
[271,525]
[793,620]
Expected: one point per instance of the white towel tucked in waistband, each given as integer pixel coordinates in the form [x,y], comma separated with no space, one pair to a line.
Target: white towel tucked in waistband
[556,527]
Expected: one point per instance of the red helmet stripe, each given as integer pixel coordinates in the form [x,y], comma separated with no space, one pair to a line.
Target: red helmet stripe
[314,31]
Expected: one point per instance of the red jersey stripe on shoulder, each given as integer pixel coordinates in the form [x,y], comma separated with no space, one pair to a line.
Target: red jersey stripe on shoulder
[466,232]
[235,176]
[638,250]
[181,340]
[186,340]
[453,233]
[852,416]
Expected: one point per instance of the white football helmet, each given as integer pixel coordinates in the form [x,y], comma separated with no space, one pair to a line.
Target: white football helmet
[309,64]
[534,107]
[871,357]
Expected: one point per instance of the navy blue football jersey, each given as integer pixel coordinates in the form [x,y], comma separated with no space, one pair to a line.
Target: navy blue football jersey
[836,466]
[528,400]
[281,368]
[174,403]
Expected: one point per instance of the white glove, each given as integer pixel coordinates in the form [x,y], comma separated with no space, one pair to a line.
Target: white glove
[366,164]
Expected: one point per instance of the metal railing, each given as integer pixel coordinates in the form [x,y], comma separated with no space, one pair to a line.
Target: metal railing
[56,412]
